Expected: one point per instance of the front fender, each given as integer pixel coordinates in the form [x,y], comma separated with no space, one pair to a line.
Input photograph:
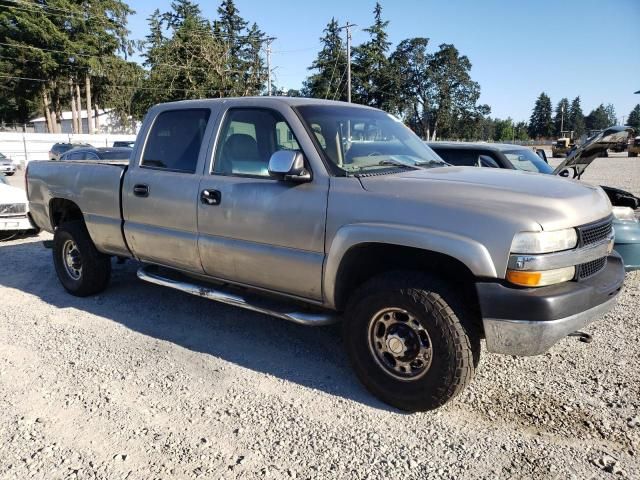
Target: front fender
[471,253]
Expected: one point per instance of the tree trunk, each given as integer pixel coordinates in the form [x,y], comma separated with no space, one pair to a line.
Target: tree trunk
[74,113]
[87,80]
[79,107]
[97,112]
[47,111]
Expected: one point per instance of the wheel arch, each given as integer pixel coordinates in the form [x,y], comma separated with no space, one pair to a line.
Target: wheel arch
[359,252]
[63,210]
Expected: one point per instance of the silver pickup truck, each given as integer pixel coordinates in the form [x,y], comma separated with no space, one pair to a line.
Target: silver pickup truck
[316,211]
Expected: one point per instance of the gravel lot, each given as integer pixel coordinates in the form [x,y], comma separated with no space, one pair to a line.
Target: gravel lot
[145,382]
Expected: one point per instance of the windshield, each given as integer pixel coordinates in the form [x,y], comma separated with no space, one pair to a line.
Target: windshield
[359,140]
[526,160]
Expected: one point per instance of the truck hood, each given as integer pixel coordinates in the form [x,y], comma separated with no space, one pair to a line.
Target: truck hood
[581,156]
[548,202]
[9,194]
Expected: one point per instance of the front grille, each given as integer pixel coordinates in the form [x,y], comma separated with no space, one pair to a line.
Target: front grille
[10,209]
[586,270]
[595,232]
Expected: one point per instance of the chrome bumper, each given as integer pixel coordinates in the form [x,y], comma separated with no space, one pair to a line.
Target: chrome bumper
[526,338]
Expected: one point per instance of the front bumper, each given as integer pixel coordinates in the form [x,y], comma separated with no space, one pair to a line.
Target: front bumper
[7,168]
[529,321]
[15,223]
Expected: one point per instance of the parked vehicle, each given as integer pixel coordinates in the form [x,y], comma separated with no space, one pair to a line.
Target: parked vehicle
[634,147]
[271,205]
[99,154]
[123,143]
[515,157]
[6,165]
[561,146]
[14,211]
[59,148]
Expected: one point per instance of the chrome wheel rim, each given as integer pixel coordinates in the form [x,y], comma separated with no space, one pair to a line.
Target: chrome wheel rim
[71,259]
[400,344]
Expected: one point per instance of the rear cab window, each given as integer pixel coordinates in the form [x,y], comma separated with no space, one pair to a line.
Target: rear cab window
[175,139]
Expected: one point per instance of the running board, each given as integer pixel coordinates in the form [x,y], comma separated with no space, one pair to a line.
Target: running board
[150,274]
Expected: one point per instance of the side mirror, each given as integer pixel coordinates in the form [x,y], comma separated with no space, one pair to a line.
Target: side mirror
[487,161]
[288,165]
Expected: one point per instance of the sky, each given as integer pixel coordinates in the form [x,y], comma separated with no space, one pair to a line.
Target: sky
[518,49]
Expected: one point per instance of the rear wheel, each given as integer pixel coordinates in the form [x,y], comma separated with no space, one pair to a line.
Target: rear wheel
[82,270]
[633,154]
[409,342]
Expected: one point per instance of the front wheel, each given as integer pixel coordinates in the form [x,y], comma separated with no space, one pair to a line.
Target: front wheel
[410,340]
[81,268]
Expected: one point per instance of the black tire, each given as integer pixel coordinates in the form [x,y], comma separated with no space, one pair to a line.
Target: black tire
[95,267]
[440,310]
[8,174]
[633,154]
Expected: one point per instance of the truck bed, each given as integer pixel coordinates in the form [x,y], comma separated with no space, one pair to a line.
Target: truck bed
[95,187]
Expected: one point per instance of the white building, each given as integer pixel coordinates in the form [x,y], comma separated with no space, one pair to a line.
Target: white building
[107,122]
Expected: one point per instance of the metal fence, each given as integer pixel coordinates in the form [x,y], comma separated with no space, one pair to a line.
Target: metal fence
[25,147]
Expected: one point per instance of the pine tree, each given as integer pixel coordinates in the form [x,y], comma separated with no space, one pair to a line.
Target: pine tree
[597,119]
[329,80]
[576,118]
[371,73]
[540,123]
[634,119]
[560,119]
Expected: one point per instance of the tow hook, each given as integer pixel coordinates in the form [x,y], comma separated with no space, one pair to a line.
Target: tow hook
[582,336]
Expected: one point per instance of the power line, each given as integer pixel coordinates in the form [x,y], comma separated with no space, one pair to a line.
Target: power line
[35,8]
[132,87]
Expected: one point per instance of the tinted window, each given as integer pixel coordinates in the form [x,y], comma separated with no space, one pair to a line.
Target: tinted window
[115,155]
[248,139]
[73,156]
[461,157]
[175,139]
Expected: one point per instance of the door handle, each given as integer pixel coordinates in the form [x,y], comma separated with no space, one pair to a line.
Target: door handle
[211,197]
[141,190]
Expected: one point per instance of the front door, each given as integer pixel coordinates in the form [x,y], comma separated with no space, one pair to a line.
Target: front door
[160,196]
[254,229]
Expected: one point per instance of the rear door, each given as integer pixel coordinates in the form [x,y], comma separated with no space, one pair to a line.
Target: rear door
[160,193]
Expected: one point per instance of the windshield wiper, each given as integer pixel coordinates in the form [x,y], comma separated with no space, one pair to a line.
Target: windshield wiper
[431,163]
[394,163]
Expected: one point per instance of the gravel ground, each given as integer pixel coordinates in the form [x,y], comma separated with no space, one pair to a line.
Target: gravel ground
[145,382]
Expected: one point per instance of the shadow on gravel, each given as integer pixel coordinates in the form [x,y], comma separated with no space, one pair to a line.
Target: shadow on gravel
[310,356]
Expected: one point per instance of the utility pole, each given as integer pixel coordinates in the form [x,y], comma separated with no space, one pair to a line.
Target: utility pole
[269,40]
[562,119]
[347,27]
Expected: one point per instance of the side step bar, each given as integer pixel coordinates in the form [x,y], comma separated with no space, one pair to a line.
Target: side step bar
[150,274]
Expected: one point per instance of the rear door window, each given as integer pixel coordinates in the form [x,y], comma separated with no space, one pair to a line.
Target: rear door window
[175,139]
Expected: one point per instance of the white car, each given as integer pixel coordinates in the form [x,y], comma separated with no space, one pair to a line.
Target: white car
[6,165]
[14,209]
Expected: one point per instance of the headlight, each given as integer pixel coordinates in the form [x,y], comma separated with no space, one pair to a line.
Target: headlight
[541,279]
[625,214]
[544,242]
